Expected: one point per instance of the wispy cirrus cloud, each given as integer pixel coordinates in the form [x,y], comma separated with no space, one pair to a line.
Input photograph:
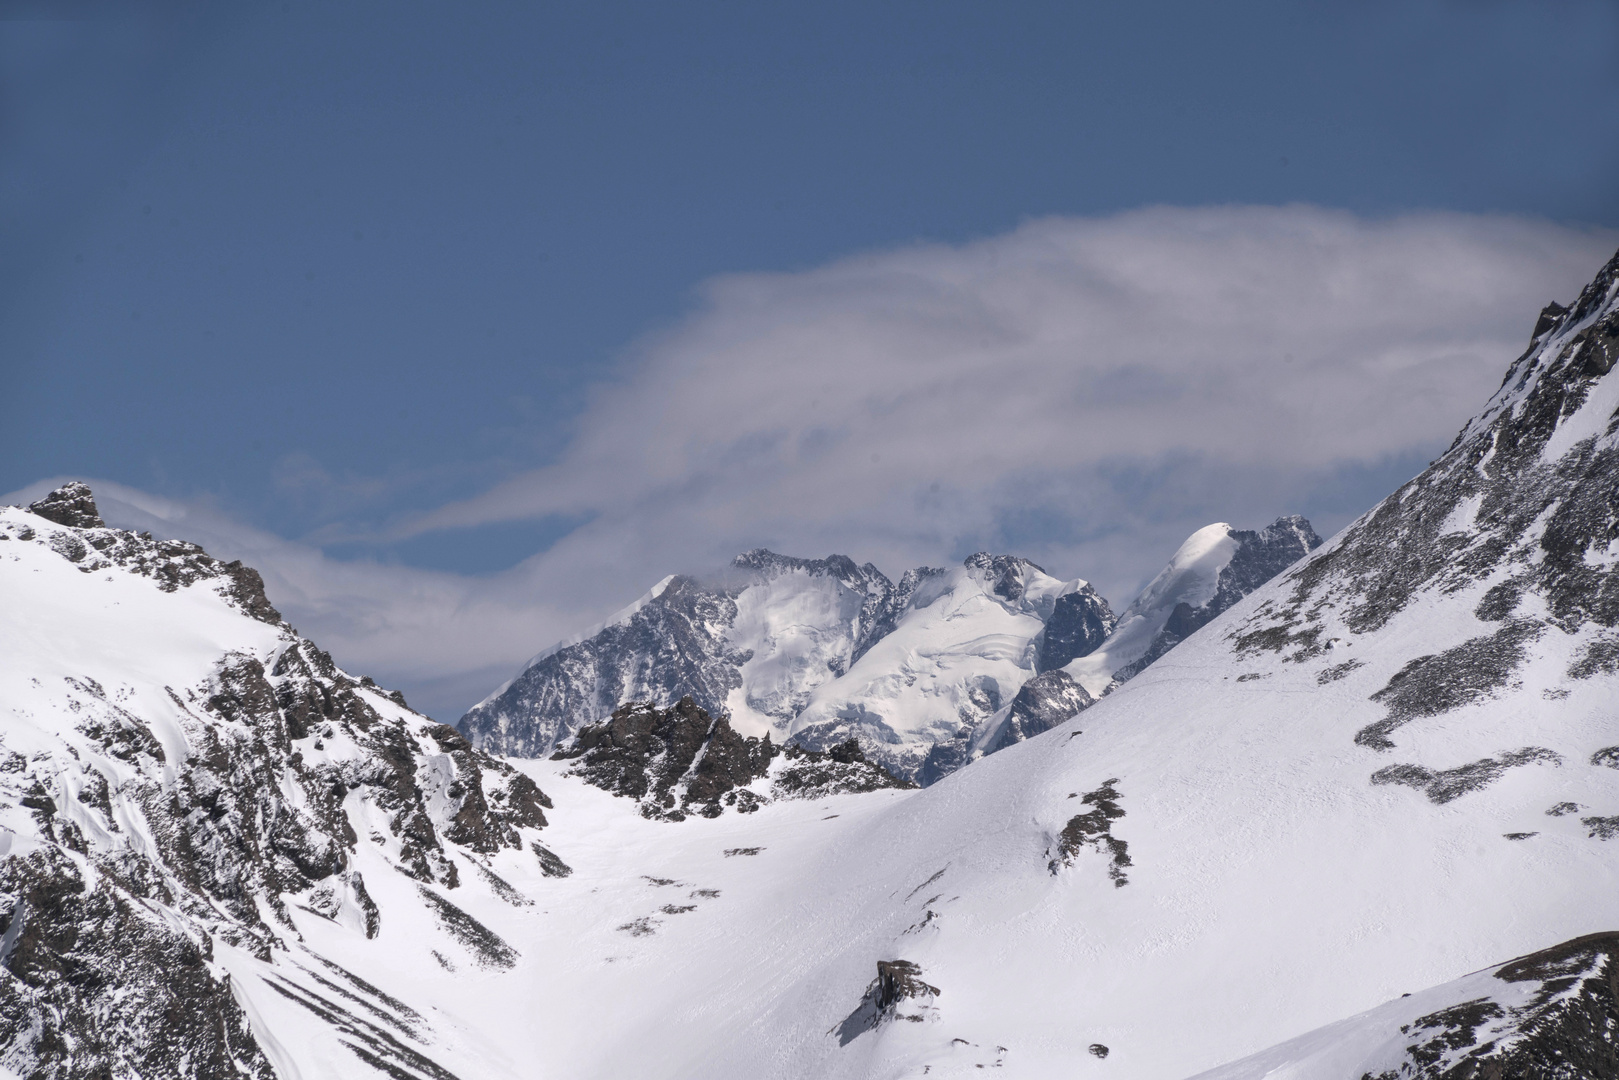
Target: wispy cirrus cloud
[1091,389]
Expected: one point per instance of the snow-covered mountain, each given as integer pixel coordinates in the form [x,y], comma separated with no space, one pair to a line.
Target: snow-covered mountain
[1212,570]
[194,800]
[813,650]
[926,673]
[1394,765]
[752,645]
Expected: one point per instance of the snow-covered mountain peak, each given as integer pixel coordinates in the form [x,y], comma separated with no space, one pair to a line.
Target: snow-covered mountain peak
[1018,583]
[1213,569]
[1190,576]
[924,672]
[765,564]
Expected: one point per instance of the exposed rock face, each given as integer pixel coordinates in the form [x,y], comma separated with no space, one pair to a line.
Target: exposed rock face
[1446,784]
[1437,683]
[1094,829]
[680,761]
[98,985]
[898,986]
[71,504]
[1078,625]
[148,826]
[1044,702]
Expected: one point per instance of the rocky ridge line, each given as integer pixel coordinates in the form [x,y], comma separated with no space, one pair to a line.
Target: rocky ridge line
[128,865]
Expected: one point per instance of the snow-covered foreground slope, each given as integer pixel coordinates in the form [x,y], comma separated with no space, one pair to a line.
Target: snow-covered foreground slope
[1548,1014]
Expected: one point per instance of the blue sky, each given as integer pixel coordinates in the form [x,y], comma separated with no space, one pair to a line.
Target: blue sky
[381,281]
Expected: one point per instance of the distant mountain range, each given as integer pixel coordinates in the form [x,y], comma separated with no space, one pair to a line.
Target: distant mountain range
[927,674]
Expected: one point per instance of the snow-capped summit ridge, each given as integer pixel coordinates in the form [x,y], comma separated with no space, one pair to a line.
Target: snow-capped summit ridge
[618,618]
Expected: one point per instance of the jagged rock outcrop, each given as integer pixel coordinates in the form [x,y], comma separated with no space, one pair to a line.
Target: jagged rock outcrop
[1094,829]
[150,823]
[172,564]
[1080,622]
[71,504]
[680,761]
[96,984]
[898,986]
[1045,701]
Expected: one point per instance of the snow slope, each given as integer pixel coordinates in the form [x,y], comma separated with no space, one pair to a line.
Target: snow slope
[1535,1015]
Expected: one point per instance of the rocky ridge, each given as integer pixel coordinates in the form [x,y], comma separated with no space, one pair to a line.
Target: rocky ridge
[151,830]
[1522,508]
[680,761]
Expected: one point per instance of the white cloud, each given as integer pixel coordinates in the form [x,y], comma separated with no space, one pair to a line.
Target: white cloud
[1083,391]
[1118,379]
